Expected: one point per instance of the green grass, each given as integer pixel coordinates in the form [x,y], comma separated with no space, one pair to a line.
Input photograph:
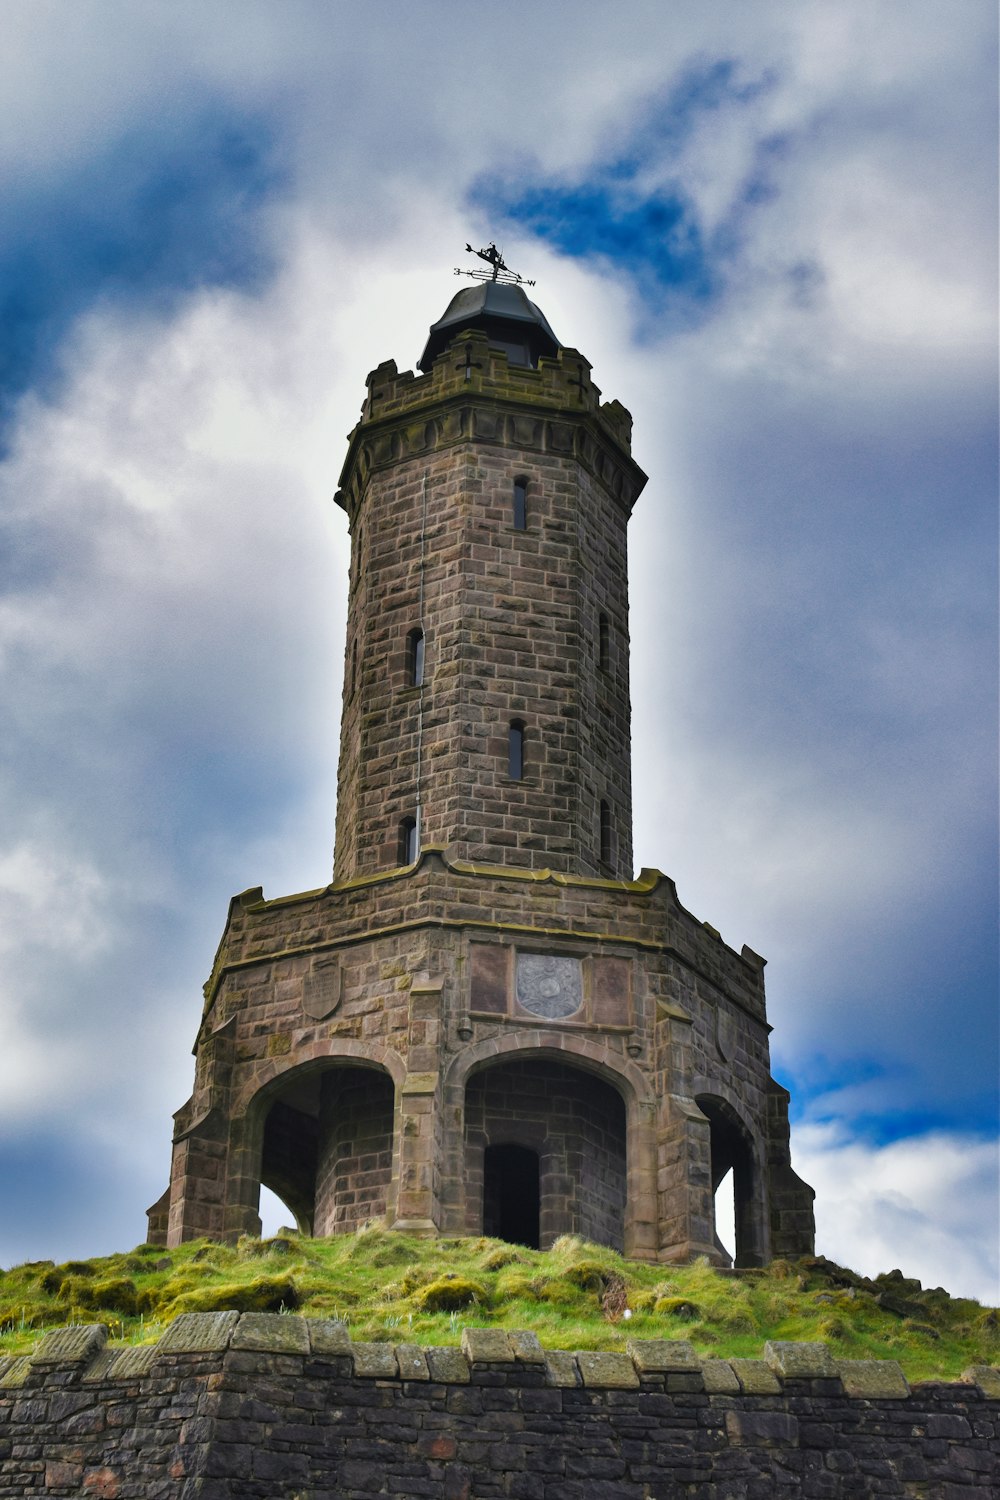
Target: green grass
[388,1286]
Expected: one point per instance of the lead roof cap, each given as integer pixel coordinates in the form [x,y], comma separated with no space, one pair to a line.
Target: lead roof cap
[503,312]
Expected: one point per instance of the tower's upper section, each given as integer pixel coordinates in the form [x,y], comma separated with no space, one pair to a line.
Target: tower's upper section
[486,703]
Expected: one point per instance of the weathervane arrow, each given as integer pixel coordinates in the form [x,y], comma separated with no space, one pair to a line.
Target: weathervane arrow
[500,272]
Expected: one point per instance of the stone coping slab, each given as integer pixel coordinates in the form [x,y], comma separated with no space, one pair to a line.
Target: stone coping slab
[873,1379]
[662,1356]
[283,1334]
[987,1377]
[800,1361]
[73,1345]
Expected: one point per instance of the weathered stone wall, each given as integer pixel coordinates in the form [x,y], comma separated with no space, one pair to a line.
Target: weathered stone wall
[266,1407]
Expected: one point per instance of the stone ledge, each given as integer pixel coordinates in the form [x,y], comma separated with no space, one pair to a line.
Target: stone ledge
[674,1361]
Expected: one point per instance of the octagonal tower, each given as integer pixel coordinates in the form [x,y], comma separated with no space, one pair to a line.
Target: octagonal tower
[485,1024]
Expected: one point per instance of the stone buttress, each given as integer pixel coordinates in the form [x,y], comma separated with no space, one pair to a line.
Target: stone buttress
[485,1024]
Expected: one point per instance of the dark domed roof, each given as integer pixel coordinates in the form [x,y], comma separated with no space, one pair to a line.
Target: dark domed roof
[498,309]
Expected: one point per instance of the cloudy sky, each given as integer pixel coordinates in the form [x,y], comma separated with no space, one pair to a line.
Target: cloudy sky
[771,229]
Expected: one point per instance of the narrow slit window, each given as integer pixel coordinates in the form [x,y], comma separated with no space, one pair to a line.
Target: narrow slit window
[515,751]
[520,505]
[605,833]
[409,841]
[604,643]
[354,668]
[415,658]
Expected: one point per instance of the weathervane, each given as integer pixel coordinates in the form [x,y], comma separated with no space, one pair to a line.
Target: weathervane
[501,271]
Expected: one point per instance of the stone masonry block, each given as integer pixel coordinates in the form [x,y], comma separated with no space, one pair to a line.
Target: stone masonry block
[657,1356]
[794,1361]
[271,1333]
[720,1378]
[16,1373]
[71,1345]
[375,1361]
[612,1371]
[199,1333]
[526,1347]
[561,1369]
[328,1336]
[762,1429]
[987,1377]
[756,1377]
[132,1362]
[449,1366]
[873,1379]
[487,1346]
[412,1362]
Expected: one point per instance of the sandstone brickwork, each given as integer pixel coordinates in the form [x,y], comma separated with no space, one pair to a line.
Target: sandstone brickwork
[483,982]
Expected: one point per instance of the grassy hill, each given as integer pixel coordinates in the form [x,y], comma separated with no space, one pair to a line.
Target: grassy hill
[389,1286]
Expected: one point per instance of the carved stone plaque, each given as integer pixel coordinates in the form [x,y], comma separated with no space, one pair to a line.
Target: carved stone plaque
[322,989]
[549,986]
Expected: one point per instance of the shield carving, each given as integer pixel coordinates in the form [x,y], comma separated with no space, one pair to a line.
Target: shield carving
[725,1035]
[322,988]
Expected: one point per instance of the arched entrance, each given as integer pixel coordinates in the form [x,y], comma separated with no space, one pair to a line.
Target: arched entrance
[327,1145]
[572,1124]
[732,1152]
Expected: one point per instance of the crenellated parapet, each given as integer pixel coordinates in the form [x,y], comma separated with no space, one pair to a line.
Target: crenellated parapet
[474,393]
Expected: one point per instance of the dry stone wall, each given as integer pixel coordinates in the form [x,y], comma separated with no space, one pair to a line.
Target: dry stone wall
[231,1407]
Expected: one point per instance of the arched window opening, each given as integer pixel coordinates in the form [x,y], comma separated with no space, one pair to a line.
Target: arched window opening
[737,1231]
[603,643]
[409,841]
[511,1195]
[515,751]
[605,833]
[415,658]
[520,504]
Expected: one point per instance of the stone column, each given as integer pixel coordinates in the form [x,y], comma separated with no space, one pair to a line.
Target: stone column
[198,1180]
[684,1182]
[790,1200]
[417,1209]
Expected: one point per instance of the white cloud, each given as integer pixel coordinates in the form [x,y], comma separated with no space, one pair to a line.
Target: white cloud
[926,1205]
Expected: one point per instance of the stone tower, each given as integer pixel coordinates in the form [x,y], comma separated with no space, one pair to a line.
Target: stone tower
[485,1024]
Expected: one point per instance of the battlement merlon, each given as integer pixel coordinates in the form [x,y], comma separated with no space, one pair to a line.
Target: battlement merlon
[470,368]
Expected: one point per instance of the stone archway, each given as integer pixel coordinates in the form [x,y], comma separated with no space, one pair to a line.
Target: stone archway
[572,1123]
[322,1136]
[628,1213]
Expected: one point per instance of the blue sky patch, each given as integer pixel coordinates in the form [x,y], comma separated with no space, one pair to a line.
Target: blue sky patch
[152,217]
[654,235]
